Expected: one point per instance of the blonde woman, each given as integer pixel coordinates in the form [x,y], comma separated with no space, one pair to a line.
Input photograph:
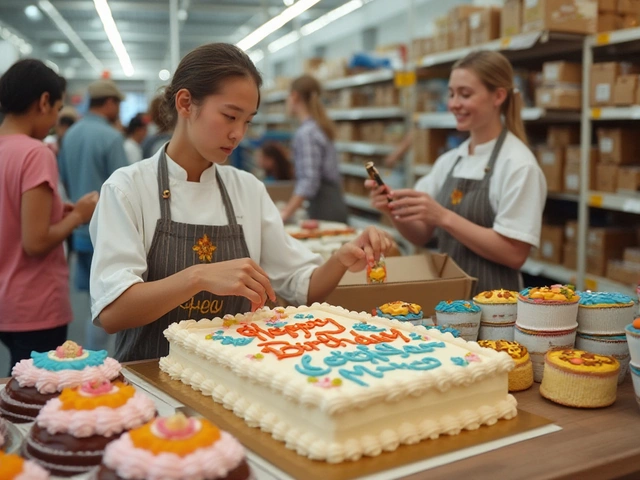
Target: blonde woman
[316,161]
[484,200]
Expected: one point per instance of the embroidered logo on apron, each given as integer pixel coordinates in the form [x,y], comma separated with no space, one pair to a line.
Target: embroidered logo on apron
[204,248]
[456,196]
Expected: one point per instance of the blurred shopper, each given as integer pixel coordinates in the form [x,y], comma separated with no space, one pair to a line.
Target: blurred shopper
[272,159]
[318,179]
[483,201]
[136,132]
[162,133]
[92,150]
[67,117]
[35,308]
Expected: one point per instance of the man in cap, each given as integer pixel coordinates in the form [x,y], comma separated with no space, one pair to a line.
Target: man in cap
[91,151]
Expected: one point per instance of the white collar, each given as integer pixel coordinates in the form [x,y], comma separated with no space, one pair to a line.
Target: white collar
[482,150]
[179,173]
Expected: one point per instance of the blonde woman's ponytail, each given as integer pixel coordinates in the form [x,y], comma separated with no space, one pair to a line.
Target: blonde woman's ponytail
[309,90]
[513,114]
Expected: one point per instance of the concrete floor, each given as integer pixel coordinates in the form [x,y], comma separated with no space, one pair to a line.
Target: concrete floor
[77,329]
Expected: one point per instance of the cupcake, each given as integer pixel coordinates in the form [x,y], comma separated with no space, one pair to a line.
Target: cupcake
[37,380]
[539,342]
[615,346]
[632,332]
[635,377]
[548,308]
[521,377]
[461,315]
[402,311]
[575,378]
[604,313]
[172,448]
[499,309]
[13,467]
[72,430]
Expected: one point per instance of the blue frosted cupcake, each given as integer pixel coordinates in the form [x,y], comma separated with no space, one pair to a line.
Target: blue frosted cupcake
[604,313]
[401,311]
[462,315]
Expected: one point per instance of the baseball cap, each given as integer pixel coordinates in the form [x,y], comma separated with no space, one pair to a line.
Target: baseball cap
[104,88]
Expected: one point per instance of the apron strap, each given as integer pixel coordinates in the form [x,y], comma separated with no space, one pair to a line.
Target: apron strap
[228,206]
[163,187]
[455,164]
[494,154]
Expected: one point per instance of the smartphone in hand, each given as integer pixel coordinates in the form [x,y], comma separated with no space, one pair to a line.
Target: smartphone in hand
[375,175]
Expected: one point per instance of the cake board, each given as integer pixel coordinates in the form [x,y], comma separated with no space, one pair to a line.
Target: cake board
[297,466]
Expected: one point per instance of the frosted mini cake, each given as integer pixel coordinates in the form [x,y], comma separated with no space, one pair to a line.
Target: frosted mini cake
[604,313]
[521,377]
[14,467]
[548,308]
[401,311]
[462,315]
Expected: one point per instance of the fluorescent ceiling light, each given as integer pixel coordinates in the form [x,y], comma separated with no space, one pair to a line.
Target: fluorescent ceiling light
[47,7]
[288,3]
[61,48]
[316,25]
[275,23]
[110,28]
[33,13]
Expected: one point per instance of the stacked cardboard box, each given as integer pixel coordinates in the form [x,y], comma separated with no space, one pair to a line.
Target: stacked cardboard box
[561,86]
[617,146]
[617,14]
[484,26]
[458,25]
[572,168]
[552,157]
[428,144]
[569,16]
[551,244]
[511,19]
[614,83]
[603,245]
[347,132]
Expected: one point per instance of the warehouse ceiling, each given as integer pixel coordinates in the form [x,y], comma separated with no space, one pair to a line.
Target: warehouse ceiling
[143,26]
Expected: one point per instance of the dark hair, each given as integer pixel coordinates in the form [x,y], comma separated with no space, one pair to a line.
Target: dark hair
[157,115]
[283,169]
[202,72]
[98,102]
[310,90]
[25,82]
[66,121]
[138,121]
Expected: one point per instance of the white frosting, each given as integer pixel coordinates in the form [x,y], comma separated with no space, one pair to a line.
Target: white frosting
[351,420]
[32,471]
[28,375]
[203,464]
[100,421]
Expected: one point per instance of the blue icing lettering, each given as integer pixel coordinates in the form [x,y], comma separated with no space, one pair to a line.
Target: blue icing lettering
[299,316]
[457,306]
[94,358]
[309,317]
[604,298]
[365,327]
[236,342]
[307,369]
[359,371]
[276,324]
[459,361]
[424,364]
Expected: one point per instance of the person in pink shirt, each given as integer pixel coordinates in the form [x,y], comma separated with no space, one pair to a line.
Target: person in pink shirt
[35,308]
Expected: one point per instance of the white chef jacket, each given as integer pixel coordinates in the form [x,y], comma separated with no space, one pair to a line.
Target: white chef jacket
[517,189]
[124,223]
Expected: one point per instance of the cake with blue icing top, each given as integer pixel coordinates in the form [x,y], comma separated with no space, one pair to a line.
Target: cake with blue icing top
[462,315]
[604,313]
[442,329]
[42,377]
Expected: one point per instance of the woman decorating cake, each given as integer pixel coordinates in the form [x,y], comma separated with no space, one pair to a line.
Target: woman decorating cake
[484,200]
[178,236]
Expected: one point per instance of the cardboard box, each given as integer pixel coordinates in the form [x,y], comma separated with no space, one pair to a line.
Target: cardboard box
[624,91]
[558,98]
[347,132]
[608,6]
[441,42]
[596,263]
[603,79]
[484,26]
[423,279]
[551,161]
[608,21]
[511,18]
[632,255]
[628,7]
[628,21]
[629,179]
[461,13]
[562,136]
[569,16]
[606,177]
[618,145]
[428,145]
[280,191]
[554,73]
[459,34]
[572,168]
[611,240]
[571,231]
[623,272]
[551,243]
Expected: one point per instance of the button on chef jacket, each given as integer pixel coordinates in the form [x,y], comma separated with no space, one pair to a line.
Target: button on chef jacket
[125,219]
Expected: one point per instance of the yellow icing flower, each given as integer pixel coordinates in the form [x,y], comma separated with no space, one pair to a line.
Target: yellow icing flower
[73,398]
[400,308]
[456,197]
[204,248]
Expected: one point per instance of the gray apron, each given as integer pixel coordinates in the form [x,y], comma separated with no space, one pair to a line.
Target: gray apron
[328,204]
[470,199]
[176,246]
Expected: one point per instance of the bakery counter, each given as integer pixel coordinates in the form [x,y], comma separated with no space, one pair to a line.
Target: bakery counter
[597,444]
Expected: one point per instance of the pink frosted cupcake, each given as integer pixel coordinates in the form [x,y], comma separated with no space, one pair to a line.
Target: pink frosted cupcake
[42,377]
[167,448]
[72,431]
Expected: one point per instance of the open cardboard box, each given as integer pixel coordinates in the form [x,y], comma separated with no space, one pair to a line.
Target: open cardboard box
[425,279]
